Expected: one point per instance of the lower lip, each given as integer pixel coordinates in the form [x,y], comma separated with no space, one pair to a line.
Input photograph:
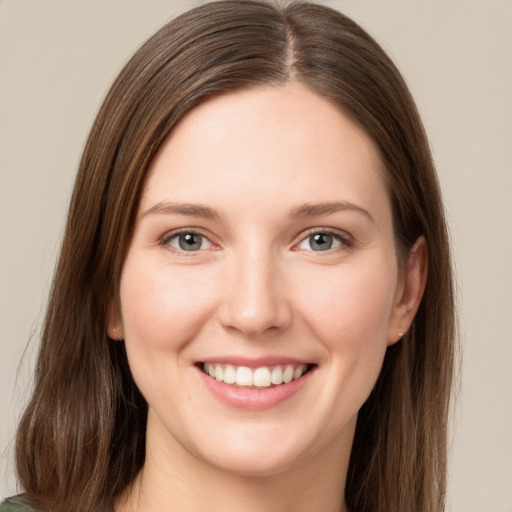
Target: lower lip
[254,399]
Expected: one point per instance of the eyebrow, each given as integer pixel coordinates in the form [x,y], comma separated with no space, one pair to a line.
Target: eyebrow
[305,210]
[190,209]
[316,209]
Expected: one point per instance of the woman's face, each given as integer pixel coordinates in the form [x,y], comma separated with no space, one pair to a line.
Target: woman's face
[263,251]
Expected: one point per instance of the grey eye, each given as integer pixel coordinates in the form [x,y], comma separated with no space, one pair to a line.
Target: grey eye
[189,242]
[321,242]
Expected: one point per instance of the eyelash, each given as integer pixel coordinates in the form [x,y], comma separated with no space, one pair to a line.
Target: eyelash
[345,241]
[176,234]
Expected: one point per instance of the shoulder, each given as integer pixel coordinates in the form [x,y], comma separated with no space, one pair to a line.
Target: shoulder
[16,504]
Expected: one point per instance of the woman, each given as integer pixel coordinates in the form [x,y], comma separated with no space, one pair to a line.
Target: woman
[253,307]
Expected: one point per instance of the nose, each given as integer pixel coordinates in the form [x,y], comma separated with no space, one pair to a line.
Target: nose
[255,295]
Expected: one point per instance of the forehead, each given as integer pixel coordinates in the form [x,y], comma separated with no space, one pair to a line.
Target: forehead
[269,143]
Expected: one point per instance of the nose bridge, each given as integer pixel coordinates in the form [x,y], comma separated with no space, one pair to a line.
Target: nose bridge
[255,299]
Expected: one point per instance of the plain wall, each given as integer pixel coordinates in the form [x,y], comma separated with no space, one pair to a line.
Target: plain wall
[57,59]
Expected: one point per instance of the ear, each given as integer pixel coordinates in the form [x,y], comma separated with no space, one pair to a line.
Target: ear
[409,292]
[115,324]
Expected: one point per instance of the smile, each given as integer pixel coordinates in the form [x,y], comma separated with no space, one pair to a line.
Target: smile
[262,377]
[252,384]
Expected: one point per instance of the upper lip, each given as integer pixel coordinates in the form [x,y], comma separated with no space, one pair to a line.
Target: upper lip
[254,362]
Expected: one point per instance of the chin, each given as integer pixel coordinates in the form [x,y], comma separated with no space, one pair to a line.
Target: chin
[253,465]
[263,450]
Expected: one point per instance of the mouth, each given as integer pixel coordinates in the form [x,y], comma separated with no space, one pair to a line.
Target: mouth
[255,378]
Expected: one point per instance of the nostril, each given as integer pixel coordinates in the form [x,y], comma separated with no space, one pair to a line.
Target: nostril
[256,318]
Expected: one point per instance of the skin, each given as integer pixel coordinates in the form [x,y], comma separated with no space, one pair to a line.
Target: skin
[257,287]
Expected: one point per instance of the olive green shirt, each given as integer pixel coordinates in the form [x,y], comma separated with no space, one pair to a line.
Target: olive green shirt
[16,504]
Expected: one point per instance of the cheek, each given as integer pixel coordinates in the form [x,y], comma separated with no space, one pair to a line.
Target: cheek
[350,309]
[162,309]
[344,295]
[350,316]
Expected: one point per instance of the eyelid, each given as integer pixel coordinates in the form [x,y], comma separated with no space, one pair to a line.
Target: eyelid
[346,240]
[169,235]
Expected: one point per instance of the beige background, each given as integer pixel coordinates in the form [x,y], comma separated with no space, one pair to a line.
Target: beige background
[57,59]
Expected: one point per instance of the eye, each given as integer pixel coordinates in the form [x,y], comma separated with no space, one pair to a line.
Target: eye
[323,241]
[188,241]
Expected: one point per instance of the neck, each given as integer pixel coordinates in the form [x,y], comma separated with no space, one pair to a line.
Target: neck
[190,485]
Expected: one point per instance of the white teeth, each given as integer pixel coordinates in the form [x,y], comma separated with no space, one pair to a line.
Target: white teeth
[262,377]
[244,376]
[298,371]
[288,374]
[277,376]
[229,374]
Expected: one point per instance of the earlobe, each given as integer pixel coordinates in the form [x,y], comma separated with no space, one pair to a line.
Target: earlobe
[115,334]
[115,325]
[411,291]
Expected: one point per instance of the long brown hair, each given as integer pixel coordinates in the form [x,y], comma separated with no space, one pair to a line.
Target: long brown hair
[81,441]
